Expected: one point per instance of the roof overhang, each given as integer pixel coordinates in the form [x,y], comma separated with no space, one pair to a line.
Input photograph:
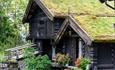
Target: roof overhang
[77,28]
[47,11]
[24,20]
[61,31]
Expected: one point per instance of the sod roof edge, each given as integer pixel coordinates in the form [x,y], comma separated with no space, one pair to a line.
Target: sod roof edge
[98,28]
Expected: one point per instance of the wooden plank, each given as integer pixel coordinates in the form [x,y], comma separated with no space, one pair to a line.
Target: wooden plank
[20,47]
[21,56]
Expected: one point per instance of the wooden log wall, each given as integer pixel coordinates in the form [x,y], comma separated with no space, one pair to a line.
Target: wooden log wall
[40,26]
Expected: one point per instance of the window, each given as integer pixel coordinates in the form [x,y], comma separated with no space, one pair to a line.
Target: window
[41,22]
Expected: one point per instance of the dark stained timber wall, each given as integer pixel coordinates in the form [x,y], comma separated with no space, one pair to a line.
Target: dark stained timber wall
[40,25]
[104,56]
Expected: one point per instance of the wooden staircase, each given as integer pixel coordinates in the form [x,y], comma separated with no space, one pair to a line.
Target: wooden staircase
[15,54]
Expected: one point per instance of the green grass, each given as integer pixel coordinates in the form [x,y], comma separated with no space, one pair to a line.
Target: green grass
[99,28]
[60,7]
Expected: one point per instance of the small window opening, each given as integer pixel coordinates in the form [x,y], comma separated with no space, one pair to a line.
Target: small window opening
[41,22]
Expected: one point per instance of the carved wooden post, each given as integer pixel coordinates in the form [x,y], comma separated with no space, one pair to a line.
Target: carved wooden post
[80,49]
[53,52]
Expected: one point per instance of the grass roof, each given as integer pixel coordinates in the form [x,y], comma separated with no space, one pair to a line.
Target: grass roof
[98,28]
[60,7]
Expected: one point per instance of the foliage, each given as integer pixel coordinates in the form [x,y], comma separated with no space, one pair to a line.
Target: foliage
[84,62]
[36,62]
[98,28]
[28,52]
[62,59]
[11,13]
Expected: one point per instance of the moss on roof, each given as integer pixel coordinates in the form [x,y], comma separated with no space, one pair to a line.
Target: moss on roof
[60,7]
[98,28]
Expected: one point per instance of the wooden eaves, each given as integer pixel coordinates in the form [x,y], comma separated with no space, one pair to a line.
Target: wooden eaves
[61,31]
[49,14]
[76,27]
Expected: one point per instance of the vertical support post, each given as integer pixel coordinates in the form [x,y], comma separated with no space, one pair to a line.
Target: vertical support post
[53,52]
[80,49]
[40,47]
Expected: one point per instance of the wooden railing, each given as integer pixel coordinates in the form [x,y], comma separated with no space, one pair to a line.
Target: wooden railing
[17,52]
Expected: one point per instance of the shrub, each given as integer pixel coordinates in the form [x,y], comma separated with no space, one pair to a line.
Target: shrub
[33,62]
[83,63]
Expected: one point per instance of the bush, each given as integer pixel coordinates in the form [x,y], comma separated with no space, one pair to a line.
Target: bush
[43,63]
[84,62]
[33,62]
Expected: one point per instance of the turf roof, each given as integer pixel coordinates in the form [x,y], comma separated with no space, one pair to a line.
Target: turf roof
[60,7]
[98,28]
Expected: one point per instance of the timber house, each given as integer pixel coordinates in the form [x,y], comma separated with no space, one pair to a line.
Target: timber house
[81,28]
